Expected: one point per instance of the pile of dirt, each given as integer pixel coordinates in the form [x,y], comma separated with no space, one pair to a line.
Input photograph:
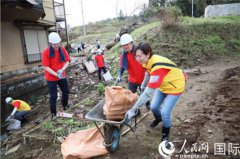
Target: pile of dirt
[207,113]
[226,105]
[217,115]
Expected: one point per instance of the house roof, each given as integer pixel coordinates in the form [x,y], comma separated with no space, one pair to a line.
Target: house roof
[37,4]
[34,23]
[30,10]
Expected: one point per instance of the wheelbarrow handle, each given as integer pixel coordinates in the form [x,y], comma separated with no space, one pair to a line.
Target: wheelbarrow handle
[131,128]
[127,121]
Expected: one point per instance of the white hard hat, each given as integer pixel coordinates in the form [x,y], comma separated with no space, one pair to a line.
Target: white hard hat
[125,39]
[99,51]
[8,99]
[54,38]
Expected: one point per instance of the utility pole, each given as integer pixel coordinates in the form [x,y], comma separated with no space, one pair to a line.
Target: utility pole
[68,31]
[67,36]
[117,8]
[55,16]
[84,29]
[192,8]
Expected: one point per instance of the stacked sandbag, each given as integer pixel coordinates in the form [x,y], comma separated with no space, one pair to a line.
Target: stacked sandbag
[117,102]
[83,144]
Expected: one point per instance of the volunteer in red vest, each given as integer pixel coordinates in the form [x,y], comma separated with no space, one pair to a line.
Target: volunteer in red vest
[55,61]
[99,59]
[164,81]
[21,109]
[128,62]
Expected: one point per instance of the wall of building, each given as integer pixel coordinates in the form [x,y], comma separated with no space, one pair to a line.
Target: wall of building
[22,86]
[25,89]
[222,10]
[49,11]
[12,56]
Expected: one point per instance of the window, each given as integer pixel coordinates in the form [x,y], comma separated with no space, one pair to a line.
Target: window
[35,42]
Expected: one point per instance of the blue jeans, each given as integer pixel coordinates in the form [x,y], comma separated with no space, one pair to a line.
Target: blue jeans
[52,86]
[20,115]
[133,87]
[162,105]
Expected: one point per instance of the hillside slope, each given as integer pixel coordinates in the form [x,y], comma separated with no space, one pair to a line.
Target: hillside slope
[104,31]
[192,42]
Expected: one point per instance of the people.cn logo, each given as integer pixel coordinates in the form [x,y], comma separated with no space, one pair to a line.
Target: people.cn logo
[164,151]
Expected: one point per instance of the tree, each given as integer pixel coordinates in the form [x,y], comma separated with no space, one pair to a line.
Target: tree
[121,16]
[199,5]
[157,4]
[185,6]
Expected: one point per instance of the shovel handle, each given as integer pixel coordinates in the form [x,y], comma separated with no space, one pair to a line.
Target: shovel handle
[115,83]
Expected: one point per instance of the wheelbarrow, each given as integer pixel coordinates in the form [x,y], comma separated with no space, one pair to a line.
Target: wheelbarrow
[112,129]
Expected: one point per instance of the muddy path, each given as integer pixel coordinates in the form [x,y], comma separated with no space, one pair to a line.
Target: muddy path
[207,113]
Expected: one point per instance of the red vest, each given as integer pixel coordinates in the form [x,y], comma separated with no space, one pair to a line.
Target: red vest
[99,60]
[135,70]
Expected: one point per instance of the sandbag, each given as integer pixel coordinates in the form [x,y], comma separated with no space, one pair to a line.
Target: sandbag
[117,101]
[83,144]
[14,124]
[90,66]
[107,76]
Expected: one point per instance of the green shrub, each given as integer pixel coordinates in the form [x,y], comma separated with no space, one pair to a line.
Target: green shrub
[48,125]
[68,48]
[169,16]
[100,88]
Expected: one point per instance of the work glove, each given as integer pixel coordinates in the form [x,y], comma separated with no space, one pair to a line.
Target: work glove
[60,71]
[60,76]
[119,79]
[130,114]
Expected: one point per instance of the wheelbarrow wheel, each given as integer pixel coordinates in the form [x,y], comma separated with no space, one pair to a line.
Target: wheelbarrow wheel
[112,137]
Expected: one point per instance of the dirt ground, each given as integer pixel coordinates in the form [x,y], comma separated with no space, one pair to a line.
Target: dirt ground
[208,113]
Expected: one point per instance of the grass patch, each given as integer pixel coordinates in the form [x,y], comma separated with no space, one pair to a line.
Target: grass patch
[104,31]
[87,102]
[91,38]
[136,34]
[100,88]
[212,43]
[64,126]
[212,20]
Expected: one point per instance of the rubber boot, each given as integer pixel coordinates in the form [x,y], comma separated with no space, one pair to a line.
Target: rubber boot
[157,120]
[23,121]
[53,116]
[165,136]
[65,108]
[165,133]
